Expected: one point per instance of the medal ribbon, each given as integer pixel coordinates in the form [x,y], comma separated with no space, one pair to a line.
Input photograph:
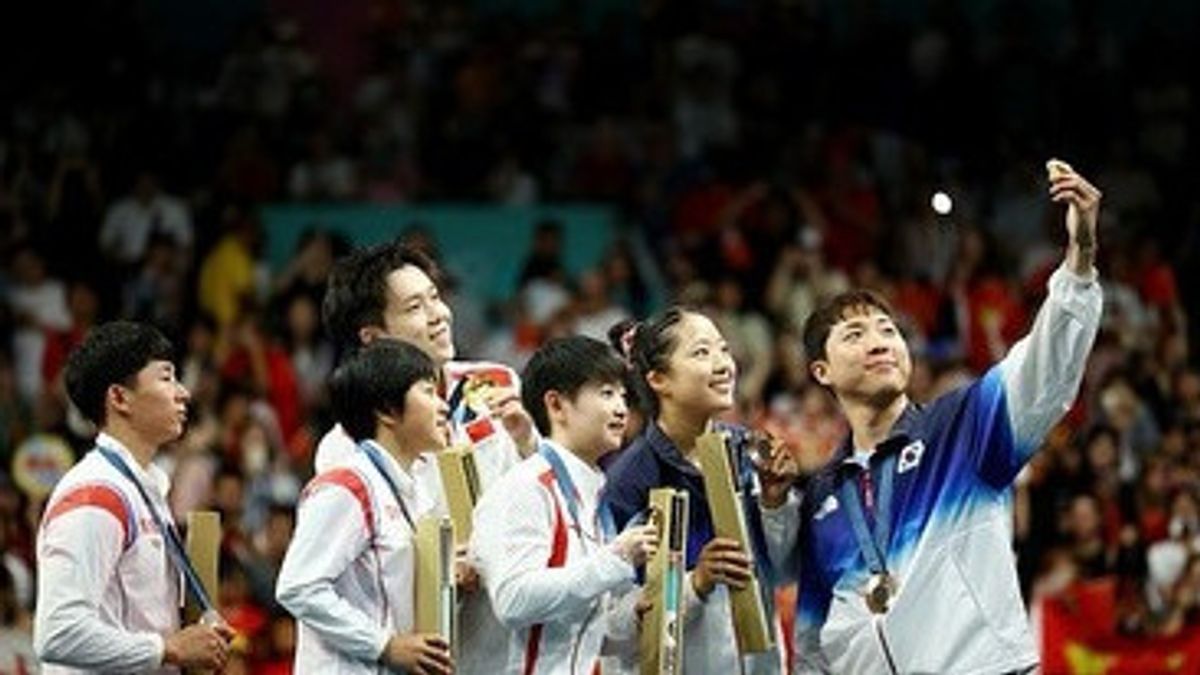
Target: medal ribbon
[604,516]
[874,548]
[175,549]
[372,452]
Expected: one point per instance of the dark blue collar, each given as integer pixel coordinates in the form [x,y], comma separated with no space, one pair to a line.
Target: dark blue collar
[666,450]
[903,431]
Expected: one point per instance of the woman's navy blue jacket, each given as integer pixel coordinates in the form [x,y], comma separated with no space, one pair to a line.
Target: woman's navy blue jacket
[652,461]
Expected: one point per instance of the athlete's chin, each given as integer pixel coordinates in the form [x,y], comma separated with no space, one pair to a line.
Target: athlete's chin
[176,431]
[444,352]
[885,396]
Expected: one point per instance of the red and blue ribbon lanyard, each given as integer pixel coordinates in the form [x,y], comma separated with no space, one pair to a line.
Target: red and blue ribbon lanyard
[604,516]
[372,452]
[174,543]
[460,412]
[873,544]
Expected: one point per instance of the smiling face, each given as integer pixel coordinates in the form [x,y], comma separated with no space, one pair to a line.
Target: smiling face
[592,422]
[416,313]
[700,373]
[866,358]
[424,425]
[155,403]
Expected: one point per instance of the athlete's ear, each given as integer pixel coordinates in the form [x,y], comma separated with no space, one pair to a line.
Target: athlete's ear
[117,397]
[553,401]
[387,420]
[657,381]
[819,369]
[368,333]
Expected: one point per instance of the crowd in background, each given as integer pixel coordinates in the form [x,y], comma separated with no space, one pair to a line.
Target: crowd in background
[765,154]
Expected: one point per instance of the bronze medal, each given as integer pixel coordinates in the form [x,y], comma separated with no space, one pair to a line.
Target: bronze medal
[880,590]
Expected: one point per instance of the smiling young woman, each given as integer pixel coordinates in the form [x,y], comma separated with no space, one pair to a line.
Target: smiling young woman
[684,377]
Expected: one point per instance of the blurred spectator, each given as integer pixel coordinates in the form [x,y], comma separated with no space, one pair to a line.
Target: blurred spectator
[542,284]
[131,221]
[798,283]
[324,174]
[16,630]
[703,109]
[270,546]
[1136,432]
[1083,529]
[276,659]
[511,184]
[626,269]
[595,312]
[252,359]
[16,415]
[749,337]
[84,307]
[38,303]
[990,313]
[1172,590]
[157,292]
[16,562]
[308,269]
[544,261]
[311,354]
[229,275]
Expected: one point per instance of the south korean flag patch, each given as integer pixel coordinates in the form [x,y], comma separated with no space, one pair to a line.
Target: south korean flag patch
[910,456]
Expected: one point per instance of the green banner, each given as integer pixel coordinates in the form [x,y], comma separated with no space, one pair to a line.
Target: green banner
[481,246]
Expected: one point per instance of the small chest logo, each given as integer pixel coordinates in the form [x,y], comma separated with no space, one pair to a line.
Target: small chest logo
[910,456]
[827,507]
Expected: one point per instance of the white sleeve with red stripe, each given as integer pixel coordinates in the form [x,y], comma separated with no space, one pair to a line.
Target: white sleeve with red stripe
[79,547]
[512,539]
[323,547]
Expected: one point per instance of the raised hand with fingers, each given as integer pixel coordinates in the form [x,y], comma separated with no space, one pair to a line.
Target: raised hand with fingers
[505,403]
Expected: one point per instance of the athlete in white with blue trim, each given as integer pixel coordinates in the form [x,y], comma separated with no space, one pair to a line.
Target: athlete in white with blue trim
[942,595]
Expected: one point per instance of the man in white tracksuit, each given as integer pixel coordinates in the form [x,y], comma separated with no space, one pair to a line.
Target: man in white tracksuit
[108,593]
[902,543]
[348,573]
[391,290]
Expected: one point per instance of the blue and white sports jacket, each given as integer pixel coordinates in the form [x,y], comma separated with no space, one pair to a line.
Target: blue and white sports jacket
[959,607]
